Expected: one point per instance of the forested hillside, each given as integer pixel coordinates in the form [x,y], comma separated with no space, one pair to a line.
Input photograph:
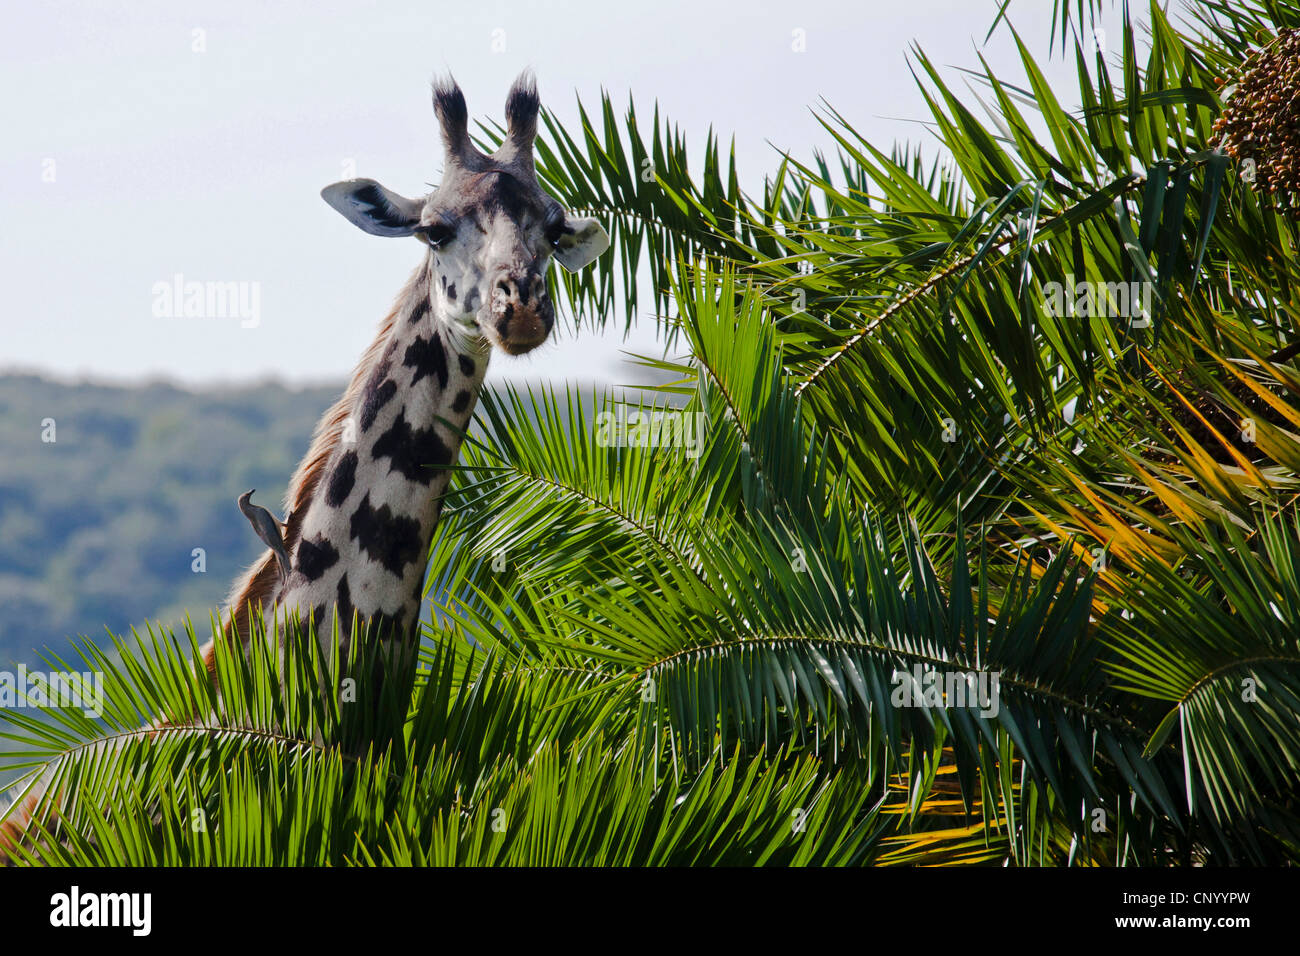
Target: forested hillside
[98,527]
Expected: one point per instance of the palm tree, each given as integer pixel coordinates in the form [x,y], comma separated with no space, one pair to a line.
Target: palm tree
[1026,409]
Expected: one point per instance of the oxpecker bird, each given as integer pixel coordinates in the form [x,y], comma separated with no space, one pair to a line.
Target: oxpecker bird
[267,528]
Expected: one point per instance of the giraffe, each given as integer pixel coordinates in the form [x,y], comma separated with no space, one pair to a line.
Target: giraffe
[364,502]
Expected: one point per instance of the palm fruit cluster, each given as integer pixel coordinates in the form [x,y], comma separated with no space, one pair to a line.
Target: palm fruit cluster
[1261,122]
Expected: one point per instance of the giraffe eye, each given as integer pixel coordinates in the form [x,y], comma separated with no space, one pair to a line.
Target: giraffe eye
[555,230]
[437,233]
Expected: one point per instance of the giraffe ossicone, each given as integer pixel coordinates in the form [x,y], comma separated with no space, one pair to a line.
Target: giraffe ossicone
[364,503]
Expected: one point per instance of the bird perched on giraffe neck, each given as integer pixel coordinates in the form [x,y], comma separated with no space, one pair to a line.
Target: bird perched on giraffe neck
[267,528]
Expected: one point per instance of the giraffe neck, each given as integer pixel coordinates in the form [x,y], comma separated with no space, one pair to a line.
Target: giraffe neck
[363,539]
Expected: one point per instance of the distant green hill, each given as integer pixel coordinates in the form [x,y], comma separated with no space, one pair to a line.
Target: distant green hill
[98,527]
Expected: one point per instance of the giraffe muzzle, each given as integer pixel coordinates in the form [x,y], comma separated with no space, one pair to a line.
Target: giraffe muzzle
[522,314]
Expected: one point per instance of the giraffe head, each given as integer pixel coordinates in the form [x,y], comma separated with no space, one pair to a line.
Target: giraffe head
[491,229]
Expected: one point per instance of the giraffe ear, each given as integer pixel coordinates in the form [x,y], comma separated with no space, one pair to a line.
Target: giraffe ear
[582,241]
[379,211]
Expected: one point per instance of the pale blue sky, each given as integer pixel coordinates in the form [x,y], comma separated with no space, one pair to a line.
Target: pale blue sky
[209,164]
